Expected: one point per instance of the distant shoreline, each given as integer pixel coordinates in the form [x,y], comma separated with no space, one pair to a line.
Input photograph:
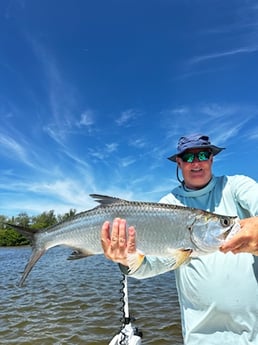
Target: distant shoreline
[22,246]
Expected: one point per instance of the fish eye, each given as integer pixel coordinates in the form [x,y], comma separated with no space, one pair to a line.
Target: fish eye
[225,221]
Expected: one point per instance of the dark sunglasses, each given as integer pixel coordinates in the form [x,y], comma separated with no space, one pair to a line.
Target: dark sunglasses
[202,156]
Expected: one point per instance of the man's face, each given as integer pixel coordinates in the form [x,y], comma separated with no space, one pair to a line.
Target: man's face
[197,173]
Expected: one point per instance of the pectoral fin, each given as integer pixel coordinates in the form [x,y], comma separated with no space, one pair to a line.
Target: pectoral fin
[77,254]
[179,257]
[175,259]
[135,260]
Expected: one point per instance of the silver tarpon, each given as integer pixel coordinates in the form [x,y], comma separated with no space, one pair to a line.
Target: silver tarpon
[171,231]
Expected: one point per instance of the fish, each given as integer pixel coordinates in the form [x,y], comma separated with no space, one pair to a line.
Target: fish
[164,230]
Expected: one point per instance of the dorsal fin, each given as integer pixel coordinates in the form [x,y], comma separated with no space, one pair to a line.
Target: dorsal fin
[29,233]
[105,199]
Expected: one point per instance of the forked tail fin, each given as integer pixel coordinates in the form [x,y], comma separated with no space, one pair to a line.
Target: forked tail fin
[35,256]
[37,252]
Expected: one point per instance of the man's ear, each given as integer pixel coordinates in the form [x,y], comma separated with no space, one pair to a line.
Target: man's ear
[178,162]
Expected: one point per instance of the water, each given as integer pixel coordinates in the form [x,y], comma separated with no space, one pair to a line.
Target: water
[78,302]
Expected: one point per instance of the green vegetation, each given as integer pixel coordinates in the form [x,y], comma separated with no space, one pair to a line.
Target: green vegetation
[10,237]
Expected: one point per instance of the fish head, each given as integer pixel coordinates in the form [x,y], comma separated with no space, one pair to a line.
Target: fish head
[209,231]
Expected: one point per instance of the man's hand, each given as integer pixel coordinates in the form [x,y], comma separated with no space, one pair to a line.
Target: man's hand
[246,240]
[116,245]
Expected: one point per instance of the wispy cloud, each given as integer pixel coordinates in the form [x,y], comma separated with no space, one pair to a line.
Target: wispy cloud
[138,143]
[112,147]
[104,151]
[14,149]
[216,119]
[87,119]
[12,7]
[180,110]
[95,153]
[221,120]
[252,134]
[61,109]
[217,55]
[68,190]
[127,117]
[215,111]
[239,35]
[126,161]
[48,193]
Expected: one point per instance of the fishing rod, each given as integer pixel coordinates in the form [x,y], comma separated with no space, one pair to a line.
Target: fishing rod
[128,335]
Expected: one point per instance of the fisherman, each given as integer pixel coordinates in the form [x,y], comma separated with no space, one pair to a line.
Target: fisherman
[218,293]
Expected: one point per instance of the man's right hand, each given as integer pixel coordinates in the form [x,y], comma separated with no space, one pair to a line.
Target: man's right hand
[116,244]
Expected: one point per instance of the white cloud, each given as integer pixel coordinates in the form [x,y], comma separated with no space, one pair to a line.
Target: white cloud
[239,35]
[242,50]
[14,149]
[111,147]
[100,154]
[62,96]
[67,190]
[104,151]
[126,161]
[12,146]
[126,117]
[217,110]
[138,143]
[86,119]
[252,134]
[183,110]
[59,195]
[221,121]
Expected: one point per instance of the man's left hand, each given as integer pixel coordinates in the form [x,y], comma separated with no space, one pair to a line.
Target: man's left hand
[246,240]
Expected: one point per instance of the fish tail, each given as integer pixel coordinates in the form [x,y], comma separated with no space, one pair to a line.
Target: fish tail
[37,252]
[35,256]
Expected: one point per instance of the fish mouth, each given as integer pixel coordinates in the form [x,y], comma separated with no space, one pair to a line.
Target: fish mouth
[206,246]
[226,233]
[233,230]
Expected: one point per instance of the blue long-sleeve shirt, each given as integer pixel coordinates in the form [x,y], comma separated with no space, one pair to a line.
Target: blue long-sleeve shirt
[218,293]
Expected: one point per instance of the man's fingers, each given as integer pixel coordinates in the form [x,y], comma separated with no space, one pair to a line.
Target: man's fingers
[105,235]
[115,234]
[115,243]
[240,243]
[131,241]
[116,238]
[115,231]
[122,234]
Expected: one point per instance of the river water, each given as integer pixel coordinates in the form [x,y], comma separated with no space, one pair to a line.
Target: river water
[78,302]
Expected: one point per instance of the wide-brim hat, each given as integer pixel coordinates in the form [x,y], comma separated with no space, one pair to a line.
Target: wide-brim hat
[195,141]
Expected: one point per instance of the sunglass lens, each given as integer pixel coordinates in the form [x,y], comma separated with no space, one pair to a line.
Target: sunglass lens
[188,157]
[203,155]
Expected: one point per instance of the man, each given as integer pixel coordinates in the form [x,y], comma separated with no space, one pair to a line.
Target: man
[218,293]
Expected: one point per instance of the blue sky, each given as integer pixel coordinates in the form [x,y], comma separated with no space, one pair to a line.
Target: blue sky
[95,94]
